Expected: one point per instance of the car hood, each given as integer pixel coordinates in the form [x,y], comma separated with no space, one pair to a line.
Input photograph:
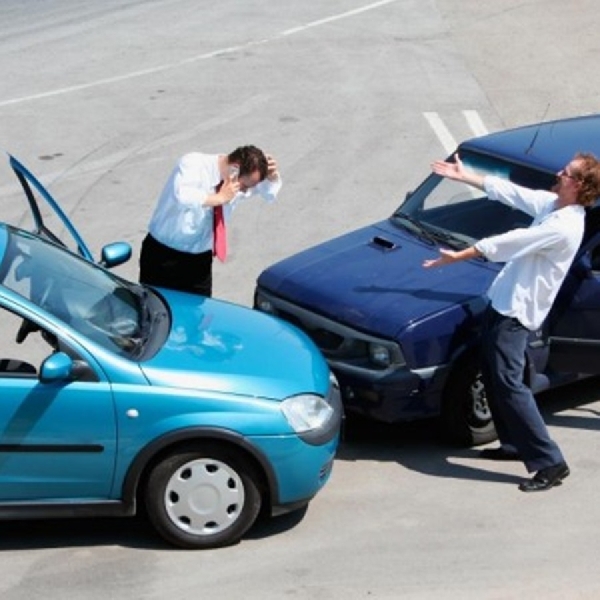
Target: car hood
[372,279]
[222,347]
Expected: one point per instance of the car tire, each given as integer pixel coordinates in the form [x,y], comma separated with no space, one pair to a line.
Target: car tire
[465,417]
[205,497]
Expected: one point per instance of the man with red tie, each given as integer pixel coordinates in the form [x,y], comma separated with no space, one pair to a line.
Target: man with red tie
[188,225]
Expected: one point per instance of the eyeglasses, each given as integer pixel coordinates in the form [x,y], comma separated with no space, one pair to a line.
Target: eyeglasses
[563,173]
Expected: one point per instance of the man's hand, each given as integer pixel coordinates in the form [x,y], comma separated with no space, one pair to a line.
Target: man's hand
[456,170]
[447,257]
[451,170]
[272,170]
[229,189]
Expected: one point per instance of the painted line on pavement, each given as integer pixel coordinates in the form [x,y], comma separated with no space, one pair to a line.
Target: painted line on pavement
[475,122]
[441,131]
[443,134]
[193,59]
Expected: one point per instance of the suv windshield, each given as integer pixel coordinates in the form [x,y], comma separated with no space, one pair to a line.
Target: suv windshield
[93,301]
[457,214]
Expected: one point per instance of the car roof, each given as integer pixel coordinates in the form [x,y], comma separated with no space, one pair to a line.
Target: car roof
[546,146]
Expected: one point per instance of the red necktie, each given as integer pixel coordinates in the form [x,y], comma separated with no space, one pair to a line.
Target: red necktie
[219,233]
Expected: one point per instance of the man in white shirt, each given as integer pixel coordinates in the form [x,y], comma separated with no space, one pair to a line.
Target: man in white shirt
[537,260]
[178,250]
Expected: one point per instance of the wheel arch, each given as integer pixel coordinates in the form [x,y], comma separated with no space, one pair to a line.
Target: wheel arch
[470,351]
[154,452]
[468,427]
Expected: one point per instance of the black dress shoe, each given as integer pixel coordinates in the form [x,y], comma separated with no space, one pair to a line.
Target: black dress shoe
[498,454]
[546,478]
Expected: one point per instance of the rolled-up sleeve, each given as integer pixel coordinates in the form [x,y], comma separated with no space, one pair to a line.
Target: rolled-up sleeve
[532,202]
[269,189]
[520,242]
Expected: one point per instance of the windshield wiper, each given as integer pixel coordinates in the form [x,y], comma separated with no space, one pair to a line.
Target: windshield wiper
[432,234]
[417,228]
[454,241]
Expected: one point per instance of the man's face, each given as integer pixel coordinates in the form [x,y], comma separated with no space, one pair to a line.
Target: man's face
[566,179]
[249,181]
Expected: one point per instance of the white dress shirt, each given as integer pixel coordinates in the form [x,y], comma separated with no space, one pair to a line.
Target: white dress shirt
[537,258]
[181,220]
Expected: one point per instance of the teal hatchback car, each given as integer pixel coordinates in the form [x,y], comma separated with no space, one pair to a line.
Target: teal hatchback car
[117,396]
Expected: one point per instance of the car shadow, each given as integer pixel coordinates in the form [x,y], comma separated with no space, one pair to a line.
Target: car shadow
[128,532]
[417,446]
[269,527]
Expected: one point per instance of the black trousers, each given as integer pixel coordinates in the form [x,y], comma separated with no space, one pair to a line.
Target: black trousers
[162,266]
[517,418]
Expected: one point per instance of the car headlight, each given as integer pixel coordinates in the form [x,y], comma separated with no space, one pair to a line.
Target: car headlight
[306,412]
[264,304]
[380,355]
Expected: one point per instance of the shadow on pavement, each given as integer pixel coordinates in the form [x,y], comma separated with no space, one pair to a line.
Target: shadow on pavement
[417,446]
[128,532]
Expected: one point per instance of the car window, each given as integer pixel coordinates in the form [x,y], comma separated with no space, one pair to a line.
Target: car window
[21,358]
[89,299]
[460,210]
[47,218]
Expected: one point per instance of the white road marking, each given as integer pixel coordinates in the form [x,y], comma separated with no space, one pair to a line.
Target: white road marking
[200,57]
[345,15]
[443,134]
[475,122]
[441,131]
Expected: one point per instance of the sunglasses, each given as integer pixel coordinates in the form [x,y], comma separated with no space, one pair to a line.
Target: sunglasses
[563,173]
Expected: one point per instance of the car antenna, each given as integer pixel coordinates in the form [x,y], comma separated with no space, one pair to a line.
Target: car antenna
[535,135]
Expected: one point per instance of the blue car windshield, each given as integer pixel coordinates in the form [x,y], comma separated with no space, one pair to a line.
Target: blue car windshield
[98,304]
[443,210]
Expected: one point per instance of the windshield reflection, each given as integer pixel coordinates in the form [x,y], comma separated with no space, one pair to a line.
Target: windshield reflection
[93,301]
[457,214]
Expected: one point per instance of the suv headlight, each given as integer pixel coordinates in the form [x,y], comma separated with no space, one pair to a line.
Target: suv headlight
[263,304]
[380,355]
[306,412]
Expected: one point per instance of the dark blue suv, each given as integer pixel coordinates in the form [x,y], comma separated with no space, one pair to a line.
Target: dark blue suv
[404,340]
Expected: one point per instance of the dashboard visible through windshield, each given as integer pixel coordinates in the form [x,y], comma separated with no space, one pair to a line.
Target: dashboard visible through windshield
[458,215]
[100,305]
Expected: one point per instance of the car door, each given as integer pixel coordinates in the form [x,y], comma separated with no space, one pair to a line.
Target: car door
[57,439]
[574,324]
[34,191]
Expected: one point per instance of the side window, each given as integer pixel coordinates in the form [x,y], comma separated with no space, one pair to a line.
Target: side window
[21,359]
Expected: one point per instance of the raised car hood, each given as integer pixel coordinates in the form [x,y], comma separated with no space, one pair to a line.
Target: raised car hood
[223,347]
[372,279]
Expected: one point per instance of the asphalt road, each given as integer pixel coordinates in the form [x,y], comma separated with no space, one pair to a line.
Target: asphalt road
[355,99]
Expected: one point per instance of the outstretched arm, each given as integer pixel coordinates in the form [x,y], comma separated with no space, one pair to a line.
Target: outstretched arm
[456,170]
[447,257]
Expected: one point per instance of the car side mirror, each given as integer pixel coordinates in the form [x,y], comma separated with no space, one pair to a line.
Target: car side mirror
[57,367]
[115,254]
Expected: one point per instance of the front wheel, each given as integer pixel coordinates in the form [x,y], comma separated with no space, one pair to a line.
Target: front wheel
[206,497]
[465,418]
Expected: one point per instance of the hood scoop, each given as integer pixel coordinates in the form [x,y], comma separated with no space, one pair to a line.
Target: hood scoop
[383,244]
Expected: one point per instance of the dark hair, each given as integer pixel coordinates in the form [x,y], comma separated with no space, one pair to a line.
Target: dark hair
[587,172]
[250,159]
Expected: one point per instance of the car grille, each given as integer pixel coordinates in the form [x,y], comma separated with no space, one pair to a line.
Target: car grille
[325,339]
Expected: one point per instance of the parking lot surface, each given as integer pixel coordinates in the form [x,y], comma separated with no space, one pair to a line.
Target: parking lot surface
[354,99]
